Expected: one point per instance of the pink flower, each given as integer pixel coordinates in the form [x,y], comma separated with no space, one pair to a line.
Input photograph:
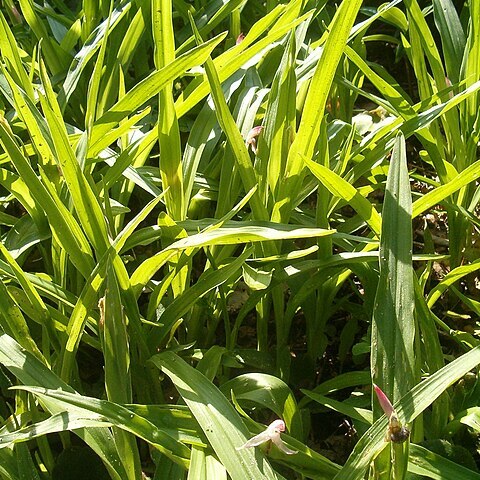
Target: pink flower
[271,433]
[396,432]
[384,402]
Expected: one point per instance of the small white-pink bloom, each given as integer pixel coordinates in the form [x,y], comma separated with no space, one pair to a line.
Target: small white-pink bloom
[251,139]
[271,433]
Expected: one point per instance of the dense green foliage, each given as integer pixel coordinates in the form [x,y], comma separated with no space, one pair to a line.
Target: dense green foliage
[215,214]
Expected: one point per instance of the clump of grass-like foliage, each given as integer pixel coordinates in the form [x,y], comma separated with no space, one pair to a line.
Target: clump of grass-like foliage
[221,215]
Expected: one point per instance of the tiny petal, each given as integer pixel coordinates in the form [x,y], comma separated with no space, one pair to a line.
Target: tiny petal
[251,140]
[277,426]
[281,446]
[240,38]
[262,437]
[385,403]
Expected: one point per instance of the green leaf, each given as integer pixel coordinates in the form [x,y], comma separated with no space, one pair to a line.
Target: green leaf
[268,392]
[29,370]
[360,414]
[56,57]
[219,236]
[469,417]
[60,422]
[218,419]
[279,120]
[434,358]
[262,35]
[90,292]
[117,415]
[450,279]
[146,89]
[168,130]
[393,362]
[88,50]
[314,106]
[40,311]
[13,322]
[344,380]
[206,18]
[95,79]
[452,36]
[83,196]
[431,465]
[393,326]
[116,355]
[234,137]
[256,279]
[438,194]
[10,52]
[344,190]
[209,280]
[408,408]
[64,227]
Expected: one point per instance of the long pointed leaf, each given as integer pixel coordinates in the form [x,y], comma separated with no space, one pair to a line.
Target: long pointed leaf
[217,417]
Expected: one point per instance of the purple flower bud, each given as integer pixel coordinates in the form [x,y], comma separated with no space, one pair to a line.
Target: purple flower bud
[385,403]
[396,432]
